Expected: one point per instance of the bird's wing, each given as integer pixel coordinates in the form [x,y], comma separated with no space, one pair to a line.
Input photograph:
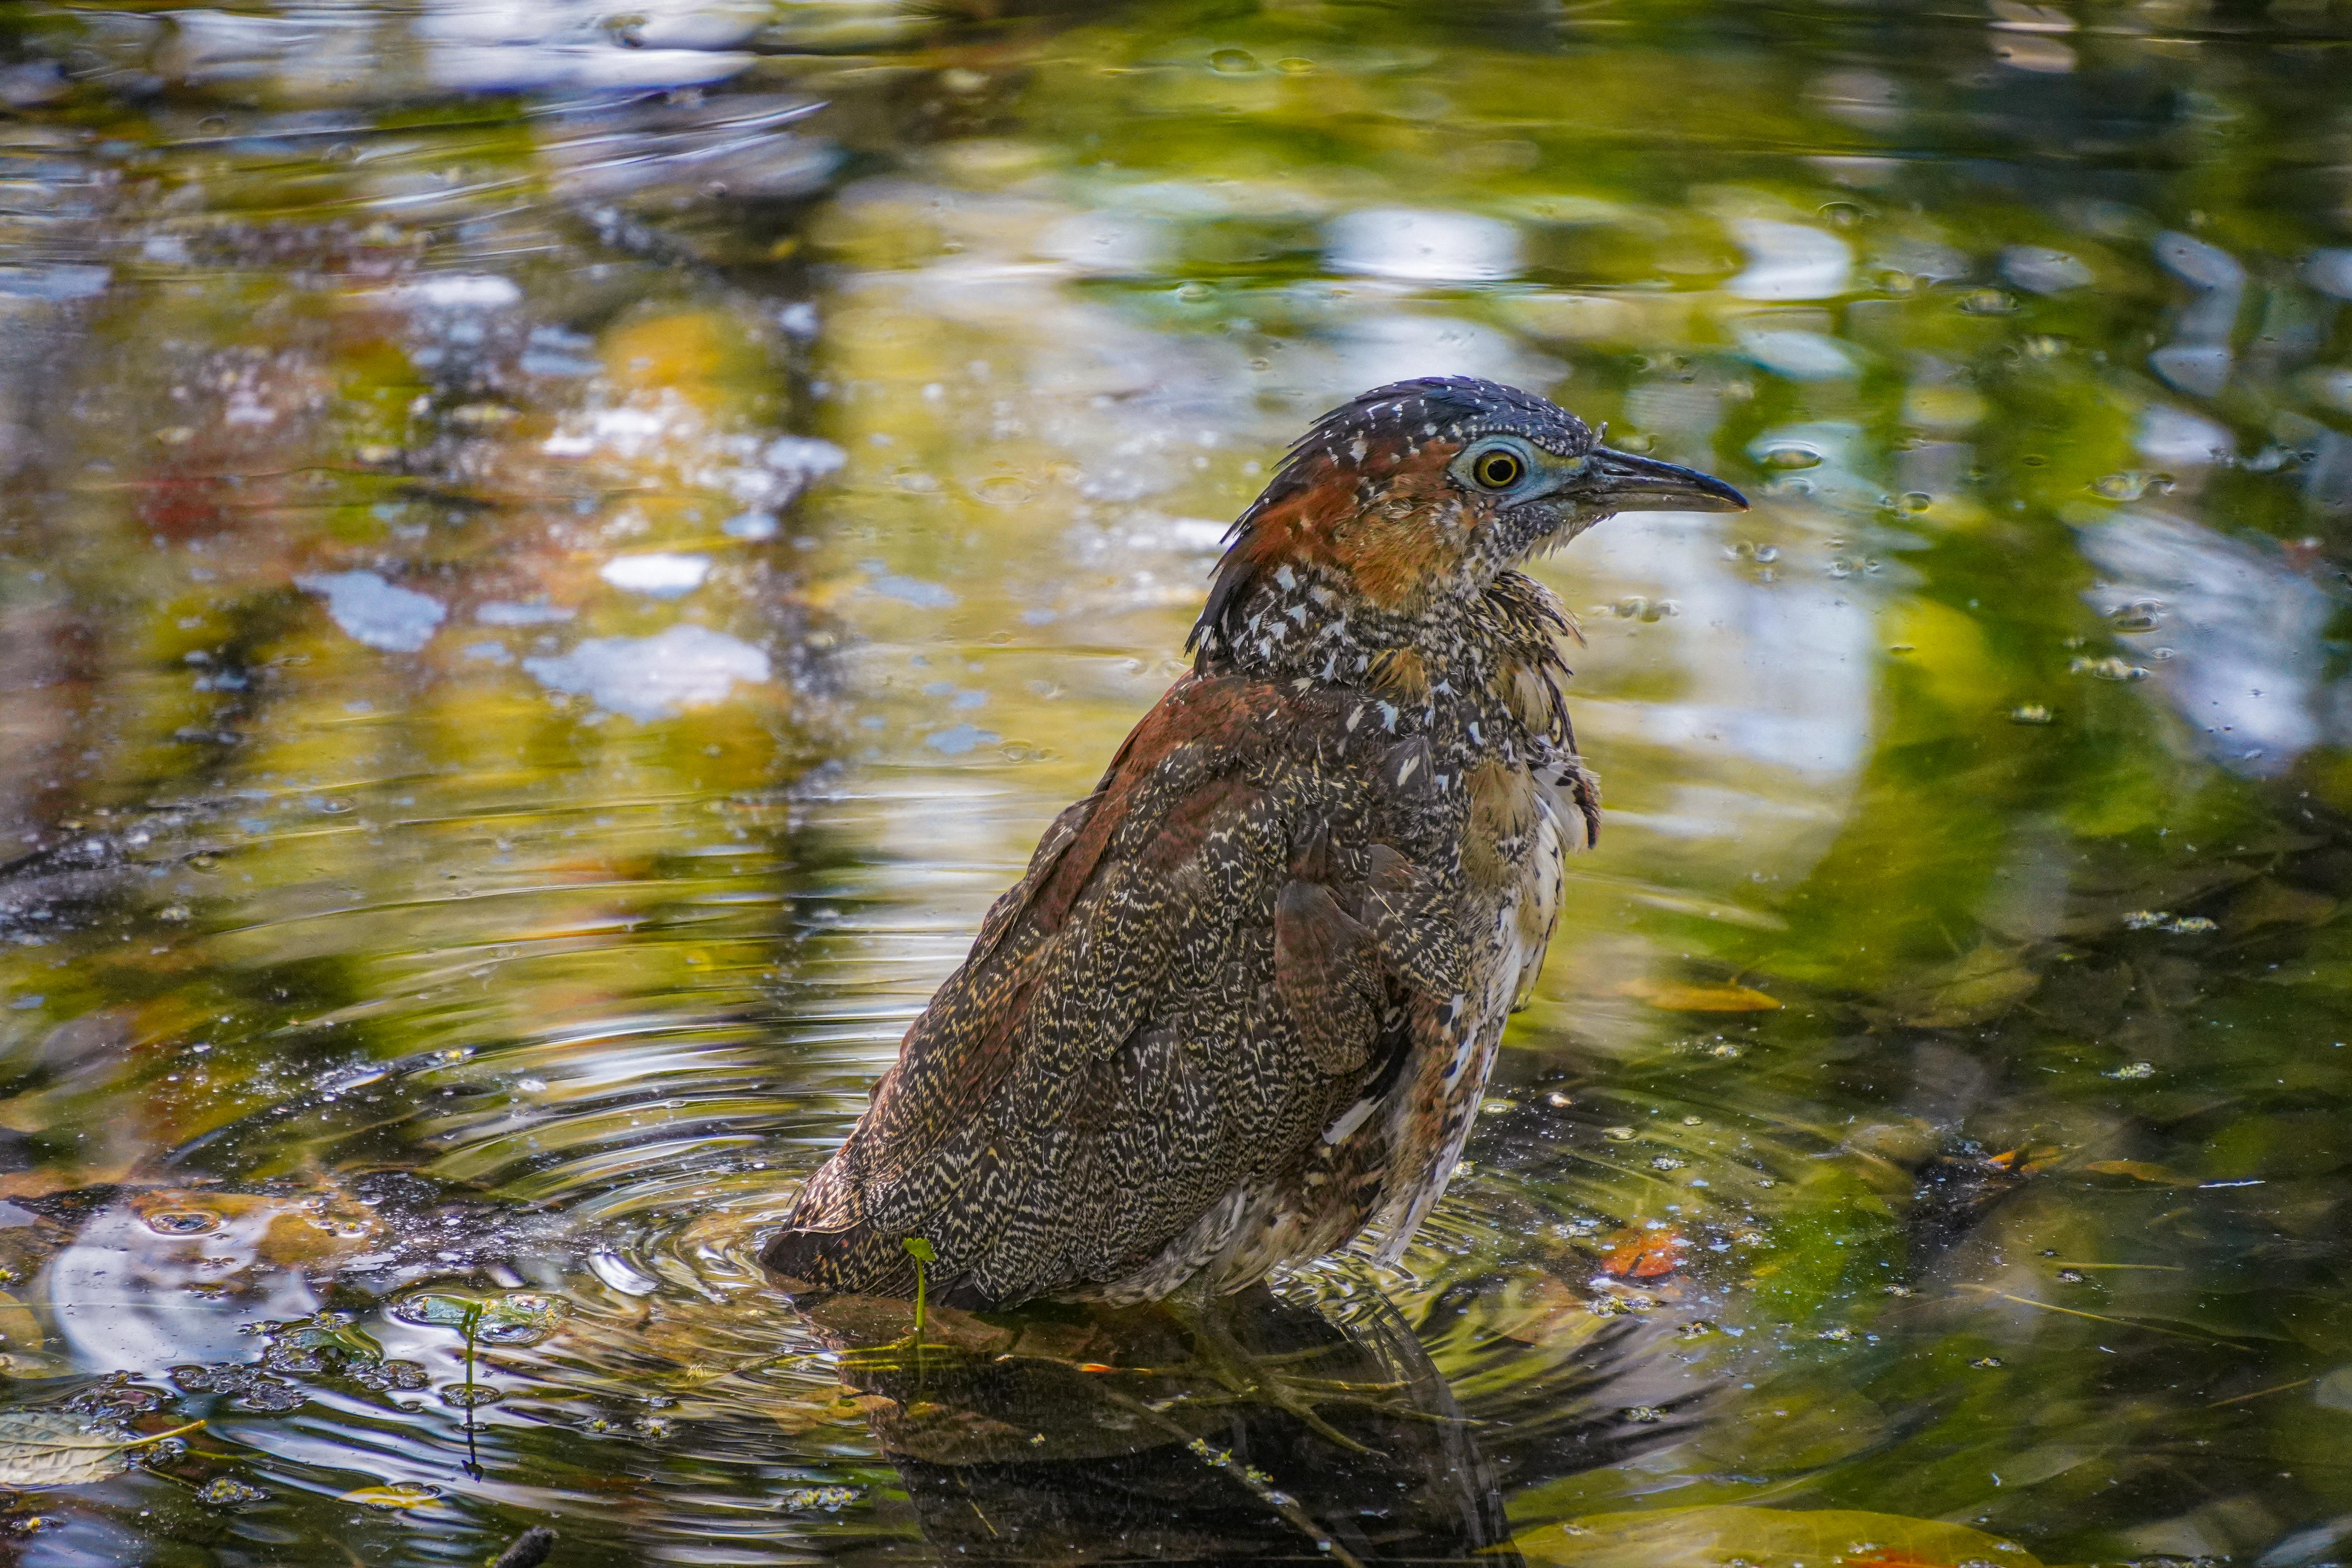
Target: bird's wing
[1209,959]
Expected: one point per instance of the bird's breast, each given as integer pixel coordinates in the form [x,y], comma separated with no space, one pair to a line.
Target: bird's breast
[1513,860]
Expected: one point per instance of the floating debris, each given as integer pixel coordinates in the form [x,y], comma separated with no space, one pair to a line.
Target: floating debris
[516,1318]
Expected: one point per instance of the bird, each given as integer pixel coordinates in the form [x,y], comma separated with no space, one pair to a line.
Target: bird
[1242,1005]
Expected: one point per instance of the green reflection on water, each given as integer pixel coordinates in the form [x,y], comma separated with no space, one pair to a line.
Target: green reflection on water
[485,825]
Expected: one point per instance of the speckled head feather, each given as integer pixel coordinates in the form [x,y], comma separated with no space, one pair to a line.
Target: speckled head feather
[1456,408]
[1410,501]
[1366,498]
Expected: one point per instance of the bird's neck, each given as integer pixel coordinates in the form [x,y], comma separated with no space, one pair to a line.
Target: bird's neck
[1482,669]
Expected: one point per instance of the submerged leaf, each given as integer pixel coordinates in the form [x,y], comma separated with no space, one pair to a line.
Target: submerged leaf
[1764,1538]
[50,1448]
[1983,985]
[1543,1311]
[1700,998]
[1645,1254]
[2140,1171]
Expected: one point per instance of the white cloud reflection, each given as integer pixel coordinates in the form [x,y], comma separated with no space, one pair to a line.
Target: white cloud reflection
[2243,632]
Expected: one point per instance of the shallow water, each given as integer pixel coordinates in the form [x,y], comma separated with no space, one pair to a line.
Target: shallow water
[552,562]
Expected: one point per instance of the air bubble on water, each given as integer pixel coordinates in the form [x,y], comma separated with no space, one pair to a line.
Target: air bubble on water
[1004,490]
[2130,484]
[2109,668]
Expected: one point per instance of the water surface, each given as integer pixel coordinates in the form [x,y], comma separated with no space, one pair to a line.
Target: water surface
[551,563]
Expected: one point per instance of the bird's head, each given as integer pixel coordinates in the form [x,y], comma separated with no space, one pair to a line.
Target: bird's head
[1422,492]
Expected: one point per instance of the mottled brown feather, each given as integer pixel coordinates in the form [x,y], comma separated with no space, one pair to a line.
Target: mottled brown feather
[1180,989]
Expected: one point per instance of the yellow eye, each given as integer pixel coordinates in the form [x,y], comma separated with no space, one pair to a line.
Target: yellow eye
[1499,470]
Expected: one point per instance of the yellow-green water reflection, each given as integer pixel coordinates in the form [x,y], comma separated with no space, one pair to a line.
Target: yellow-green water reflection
[551,563]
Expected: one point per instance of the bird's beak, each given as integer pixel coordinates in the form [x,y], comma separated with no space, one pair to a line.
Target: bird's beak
[1620,481]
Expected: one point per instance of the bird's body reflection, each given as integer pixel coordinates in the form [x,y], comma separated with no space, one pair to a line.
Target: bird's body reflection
[1253,1428]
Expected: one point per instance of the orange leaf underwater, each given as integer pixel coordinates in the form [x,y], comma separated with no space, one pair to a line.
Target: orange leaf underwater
[1699,998]
[1644,1254]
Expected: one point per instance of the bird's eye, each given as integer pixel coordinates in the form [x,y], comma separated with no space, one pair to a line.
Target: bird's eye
[1498,470]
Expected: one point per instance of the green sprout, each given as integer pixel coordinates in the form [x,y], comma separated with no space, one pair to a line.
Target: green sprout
[922,1252]
[470,1325]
